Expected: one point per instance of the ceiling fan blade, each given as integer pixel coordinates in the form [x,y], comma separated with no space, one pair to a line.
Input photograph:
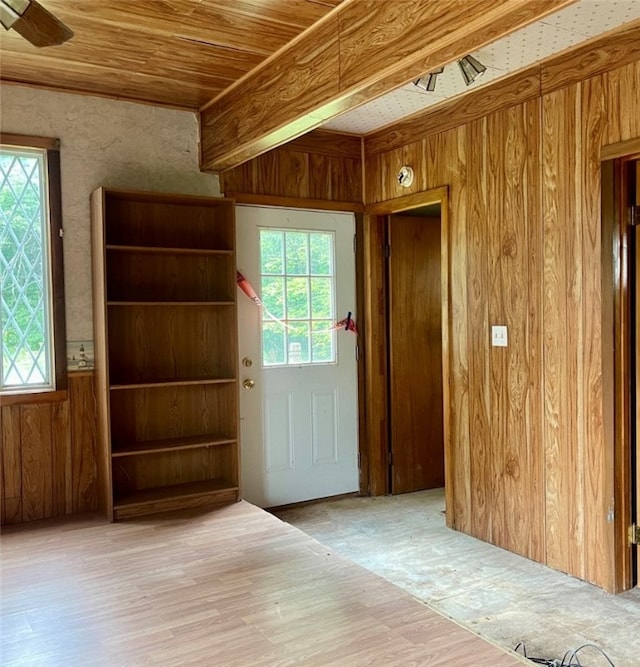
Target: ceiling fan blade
[36,24]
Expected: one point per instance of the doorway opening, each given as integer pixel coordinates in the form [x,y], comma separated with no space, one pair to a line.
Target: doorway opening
[408,325]
[414,350]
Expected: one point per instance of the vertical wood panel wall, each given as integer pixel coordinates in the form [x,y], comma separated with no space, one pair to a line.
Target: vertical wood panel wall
[48,456]
[533,469]
[322,165]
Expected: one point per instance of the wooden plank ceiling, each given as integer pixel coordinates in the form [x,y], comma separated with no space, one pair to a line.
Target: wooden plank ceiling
[180,53]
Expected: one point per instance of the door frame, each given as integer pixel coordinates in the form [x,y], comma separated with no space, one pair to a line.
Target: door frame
[374,446]
[616,341]
[357,210]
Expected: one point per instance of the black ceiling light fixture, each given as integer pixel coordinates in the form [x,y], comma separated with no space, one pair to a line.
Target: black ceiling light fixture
[471,69]
[428,82]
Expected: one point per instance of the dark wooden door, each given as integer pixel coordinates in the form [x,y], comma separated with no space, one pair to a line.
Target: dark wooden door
[415,354]
[635,373]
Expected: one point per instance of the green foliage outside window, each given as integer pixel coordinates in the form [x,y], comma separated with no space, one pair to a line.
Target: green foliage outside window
[23,261]
[297,289]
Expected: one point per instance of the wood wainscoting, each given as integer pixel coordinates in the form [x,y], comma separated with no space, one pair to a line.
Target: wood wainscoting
[48,459]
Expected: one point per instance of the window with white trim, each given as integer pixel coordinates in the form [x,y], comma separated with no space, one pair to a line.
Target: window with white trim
[31,285]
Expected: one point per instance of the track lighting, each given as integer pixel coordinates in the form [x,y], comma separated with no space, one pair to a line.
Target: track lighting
[471,69]
[428,82]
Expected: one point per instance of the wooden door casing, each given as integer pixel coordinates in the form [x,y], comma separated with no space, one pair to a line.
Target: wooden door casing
[415,353]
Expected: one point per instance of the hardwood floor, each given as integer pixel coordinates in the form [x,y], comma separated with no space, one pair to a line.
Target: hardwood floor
[233,586]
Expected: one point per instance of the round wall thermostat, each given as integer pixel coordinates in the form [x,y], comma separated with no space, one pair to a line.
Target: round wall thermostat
[405,176]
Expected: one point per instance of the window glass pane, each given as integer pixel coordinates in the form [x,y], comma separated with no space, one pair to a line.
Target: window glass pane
[273,344]
[322,341]
[321,251]
[25,285]
[297,253]
[297,298]
[272,251]
[321,298]
[298,288]
[299,343]
[273,295]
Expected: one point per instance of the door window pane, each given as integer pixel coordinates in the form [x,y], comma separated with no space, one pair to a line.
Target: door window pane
[298,293]
[321,254]
[273,344]
[297,251]
[273,295]
[321,298]
[297,298]
[272,247]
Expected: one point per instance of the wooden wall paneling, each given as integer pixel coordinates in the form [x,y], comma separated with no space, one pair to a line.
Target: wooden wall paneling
[599,462]
[324,167]
[61,458]
[451,167]
[11,464]
[600,54]
[328,142]
[477,279]
[413,155]
[320,173]
[293,168]
[562,524]
[37,487]
[2,492]
[373,181]
[346,179]
[83,438]
[473,105]
[574,445]
[375,350]
[394,160]
[268,174]
[623,96]
[534,435]
[521,412]
[494,483]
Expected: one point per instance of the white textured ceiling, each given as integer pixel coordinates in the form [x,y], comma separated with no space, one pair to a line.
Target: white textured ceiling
[570,26]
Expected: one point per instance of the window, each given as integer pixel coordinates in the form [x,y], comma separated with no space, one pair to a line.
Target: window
[31,286]
[298,293]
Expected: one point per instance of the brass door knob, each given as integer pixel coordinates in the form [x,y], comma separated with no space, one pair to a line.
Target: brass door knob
[248,384]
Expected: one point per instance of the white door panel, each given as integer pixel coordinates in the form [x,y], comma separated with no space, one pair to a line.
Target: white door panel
[298,422]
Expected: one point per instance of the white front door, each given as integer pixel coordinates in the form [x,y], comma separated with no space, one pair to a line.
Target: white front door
[299,405]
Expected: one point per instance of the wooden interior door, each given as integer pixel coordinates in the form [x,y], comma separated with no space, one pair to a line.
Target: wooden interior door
[635,375]
[416,434]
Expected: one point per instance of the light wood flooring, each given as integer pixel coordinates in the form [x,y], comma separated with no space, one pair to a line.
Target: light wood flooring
[234,586]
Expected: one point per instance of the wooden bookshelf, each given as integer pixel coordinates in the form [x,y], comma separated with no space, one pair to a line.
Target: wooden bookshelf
[166,351]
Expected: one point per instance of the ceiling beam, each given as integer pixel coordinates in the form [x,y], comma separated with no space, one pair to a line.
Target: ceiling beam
[357,52]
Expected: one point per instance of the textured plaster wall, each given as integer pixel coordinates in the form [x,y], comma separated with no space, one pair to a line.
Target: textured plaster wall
[104,143]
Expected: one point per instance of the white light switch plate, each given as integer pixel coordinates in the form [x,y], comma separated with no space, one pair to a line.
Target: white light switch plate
[499,336]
